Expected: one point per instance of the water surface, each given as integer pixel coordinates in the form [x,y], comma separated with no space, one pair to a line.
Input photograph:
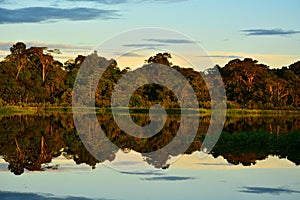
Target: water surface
[42,156]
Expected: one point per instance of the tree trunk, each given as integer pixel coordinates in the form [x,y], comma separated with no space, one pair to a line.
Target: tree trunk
[43,73]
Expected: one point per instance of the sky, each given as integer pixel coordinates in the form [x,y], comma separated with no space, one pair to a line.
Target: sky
[265,30]
[190,177]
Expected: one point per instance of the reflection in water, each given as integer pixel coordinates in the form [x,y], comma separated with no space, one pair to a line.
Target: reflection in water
[26,142]
[47,196]
[248,139]
[266,190]
[31,141]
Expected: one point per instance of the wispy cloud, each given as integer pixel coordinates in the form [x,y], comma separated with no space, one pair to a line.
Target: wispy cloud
[109,2]
[222,56]
[144,45]
[5,45]
[51,14]
[215,164]
[19,195]
[144,173]
[261,32]
[267,190]
[70,47]
[171,41]
[129,54]
[273,60]
[168,178]
[68,50]
[112,2]
[61,46]
[162,1]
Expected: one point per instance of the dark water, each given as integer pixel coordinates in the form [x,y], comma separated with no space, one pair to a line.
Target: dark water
[30,142]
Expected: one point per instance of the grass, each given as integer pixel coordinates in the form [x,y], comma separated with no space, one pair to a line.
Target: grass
[16,110]
[12,110]
[5,110]
[254,112]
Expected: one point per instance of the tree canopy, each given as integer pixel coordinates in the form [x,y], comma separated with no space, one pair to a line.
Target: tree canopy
[32,77]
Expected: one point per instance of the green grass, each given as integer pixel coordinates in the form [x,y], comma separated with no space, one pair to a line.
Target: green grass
[254,112]
[16,110]
[12,110]
[5,109]
[58,109]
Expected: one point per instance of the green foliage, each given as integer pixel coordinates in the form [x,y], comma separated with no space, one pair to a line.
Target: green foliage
[160,58]
[31,76]
[5,110]
[246,147]
[256,86]
[30,141]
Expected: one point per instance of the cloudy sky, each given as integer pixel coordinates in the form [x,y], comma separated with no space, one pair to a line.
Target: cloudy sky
[268,31]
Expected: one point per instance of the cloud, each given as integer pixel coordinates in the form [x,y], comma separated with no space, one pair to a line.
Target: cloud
[19,195]
[7,45]
[250,32]
[130,54]
[155,42]
[51,14]
[267,190]
[113,2]
[57,45]
[144,45]
[144,173]
[162,1]
[171,41]
[215,164]
[222,56]
[109,2]
[168,178]
[68,50]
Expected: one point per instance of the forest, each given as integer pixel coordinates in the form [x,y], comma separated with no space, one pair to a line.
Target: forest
[31,142]
[31,77]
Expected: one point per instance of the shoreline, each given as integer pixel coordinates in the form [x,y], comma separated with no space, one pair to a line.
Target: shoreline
[8,110]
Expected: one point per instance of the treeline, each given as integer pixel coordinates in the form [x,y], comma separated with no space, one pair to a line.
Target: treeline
[252,85]
[30,142]
[32,77]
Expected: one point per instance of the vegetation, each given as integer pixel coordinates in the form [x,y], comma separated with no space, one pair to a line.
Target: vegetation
[31,77]
[248,147]
[30,142]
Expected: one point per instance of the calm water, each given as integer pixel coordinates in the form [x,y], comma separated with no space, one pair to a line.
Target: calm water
[42,157]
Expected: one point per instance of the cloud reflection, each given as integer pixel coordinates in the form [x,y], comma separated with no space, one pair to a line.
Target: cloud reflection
[168,178]
[18,195]
[278,31]
[267,190]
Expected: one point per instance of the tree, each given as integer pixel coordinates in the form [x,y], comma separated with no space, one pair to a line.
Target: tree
[160,58]
[295,67]
[40,60]
[18,57]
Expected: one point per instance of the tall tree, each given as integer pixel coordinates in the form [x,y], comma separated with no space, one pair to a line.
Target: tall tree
[18,57]
[41,60]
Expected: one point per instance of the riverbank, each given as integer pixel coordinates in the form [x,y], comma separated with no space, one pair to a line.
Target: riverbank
[254,112]
[8,110]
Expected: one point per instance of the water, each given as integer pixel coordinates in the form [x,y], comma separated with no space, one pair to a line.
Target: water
[43,157]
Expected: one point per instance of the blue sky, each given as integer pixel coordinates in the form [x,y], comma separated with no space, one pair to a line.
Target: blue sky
[268,31]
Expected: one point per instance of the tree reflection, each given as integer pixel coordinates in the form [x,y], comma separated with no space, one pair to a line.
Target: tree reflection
[28,142]
[248,147]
